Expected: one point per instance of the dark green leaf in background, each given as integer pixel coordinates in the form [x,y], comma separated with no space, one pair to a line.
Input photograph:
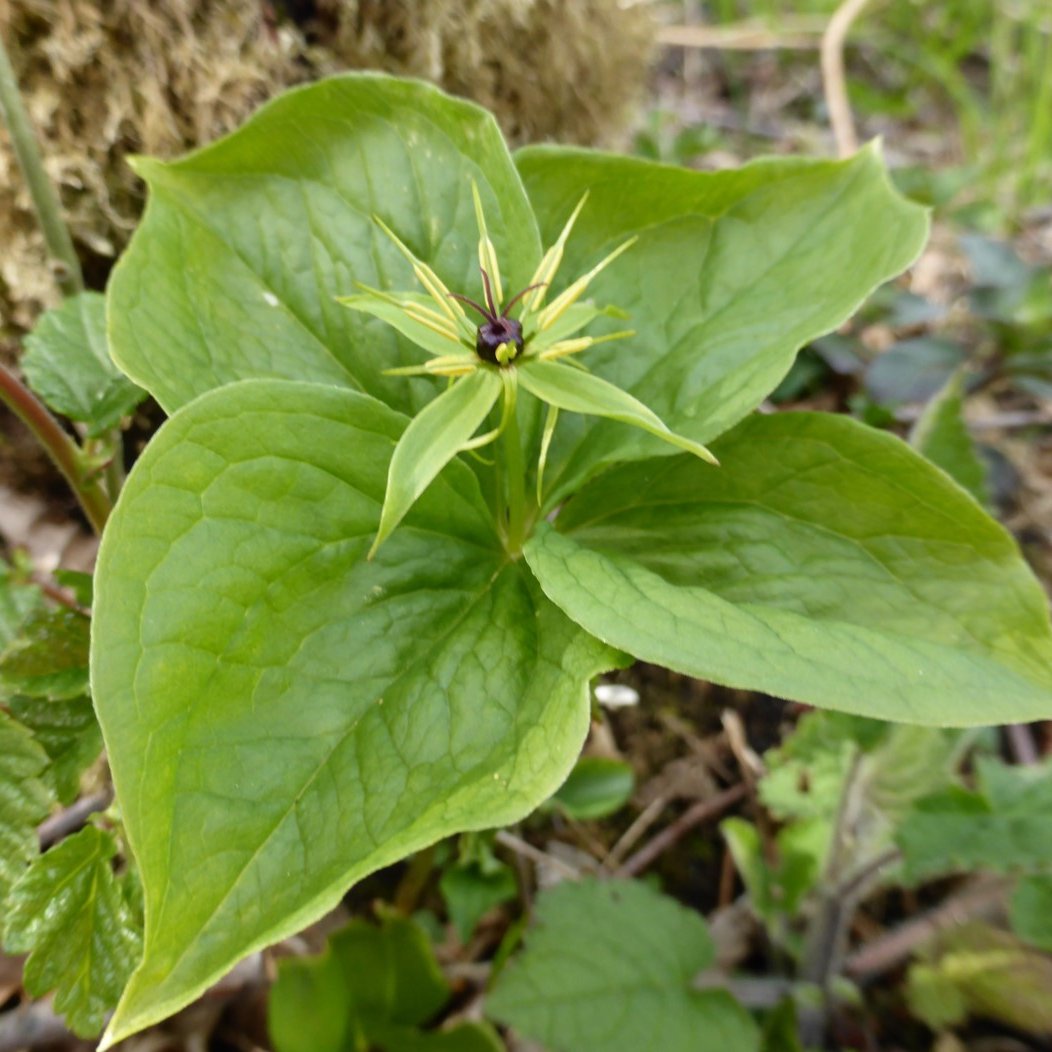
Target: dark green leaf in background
[913,370]
[1031,910]
[67,363]
[373,987]
[1004,825]
[25,799]
[608,967]
[941,435]
[68,913]
[49,656]
[777,886]
[70,735]
[598,786]
[471,890]
[20,602]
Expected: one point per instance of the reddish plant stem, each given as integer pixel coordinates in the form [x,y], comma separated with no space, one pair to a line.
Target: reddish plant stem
[981,897]
[57,444]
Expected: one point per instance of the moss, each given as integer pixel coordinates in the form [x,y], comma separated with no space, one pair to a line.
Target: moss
[105,78]
[569,70]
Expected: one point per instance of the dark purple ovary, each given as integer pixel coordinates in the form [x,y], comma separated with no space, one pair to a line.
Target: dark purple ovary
[496,331]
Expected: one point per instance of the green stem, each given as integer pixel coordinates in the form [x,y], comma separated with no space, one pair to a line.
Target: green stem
[45,200]
[825,942]
[115,468]
[57,444]
[514,472]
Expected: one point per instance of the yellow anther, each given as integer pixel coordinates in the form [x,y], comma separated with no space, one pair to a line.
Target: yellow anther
[549,264]
[487,253]
[431,320]
[427,277]
[562,348]
[568,297]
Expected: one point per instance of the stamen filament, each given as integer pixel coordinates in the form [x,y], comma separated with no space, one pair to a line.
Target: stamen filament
[443,365]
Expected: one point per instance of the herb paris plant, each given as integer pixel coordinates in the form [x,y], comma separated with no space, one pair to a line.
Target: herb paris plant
[492,360]
[283,714]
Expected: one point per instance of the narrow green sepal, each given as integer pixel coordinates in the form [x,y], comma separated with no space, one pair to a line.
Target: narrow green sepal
[577,391]
[412,315]
[432,439]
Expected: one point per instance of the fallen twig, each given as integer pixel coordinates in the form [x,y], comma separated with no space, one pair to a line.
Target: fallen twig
[1021,743]
[834,78]
[32,1026]
[981,897]
[535,854]
[61,825]
[702,811]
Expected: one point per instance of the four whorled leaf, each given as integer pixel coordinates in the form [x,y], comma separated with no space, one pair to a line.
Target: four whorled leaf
[732,273]
[823,561]
[283,716]
[246,244]
[610,967]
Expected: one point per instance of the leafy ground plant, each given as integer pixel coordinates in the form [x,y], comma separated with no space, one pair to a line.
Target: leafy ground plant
[863,807]
[345,608]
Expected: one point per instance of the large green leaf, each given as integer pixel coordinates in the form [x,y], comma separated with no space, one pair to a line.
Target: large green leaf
[245,245]
[733,272]
[824,562]
[283,716]
[609,968]
[69,914]
[67,362]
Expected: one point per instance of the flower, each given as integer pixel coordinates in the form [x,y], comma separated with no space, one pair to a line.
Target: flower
[490,360]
